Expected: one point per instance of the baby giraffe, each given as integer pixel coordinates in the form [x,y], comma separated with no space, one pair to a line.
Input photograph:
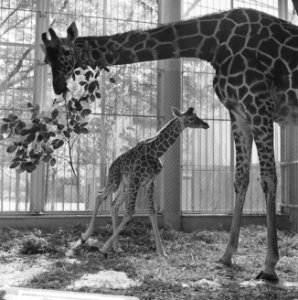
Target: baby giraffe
[137,168]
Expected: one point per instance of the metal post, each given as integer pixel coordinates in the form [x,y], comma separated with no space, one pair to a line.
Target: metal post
[39,95]
[283,9]
[283,13]
[170,95]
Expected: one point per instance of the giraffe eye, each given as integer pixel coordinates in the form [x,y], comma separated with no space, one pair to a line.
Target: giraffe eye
[66,52]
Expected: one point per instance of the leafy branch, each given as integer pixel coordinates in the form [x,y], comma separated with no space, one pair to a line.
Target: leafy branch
[39,138]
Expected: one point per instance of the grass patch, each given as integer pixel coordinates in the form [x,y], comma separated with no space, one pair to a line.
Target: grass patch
[37,259]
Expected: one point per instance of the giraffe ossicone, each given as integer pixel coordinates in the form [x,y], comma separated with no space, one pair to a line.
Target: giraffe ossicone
[255,59]
[136,168]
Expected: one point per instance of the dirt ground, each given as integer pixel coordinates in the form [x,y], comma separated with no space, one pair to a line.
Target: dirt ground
[36,259]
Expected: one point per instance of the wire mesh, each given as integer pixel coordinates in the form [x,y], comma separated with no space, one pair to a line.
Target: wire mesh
[17,27]
[127,112]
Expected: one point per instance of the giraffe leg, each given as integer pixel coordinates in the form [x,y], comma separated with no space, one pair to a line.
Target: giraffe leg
[132,193]
[265,147]
[243,142]
[115,209]
[153,219]
[85,236]
[99,199]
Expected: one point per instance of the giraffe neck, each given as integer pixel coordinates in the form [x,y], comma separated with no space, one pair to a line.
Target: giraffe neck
[193,38]
[165,138]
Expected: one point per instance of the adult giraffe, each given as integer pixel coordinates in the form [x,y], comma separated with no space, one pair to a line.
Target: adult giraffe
[255,58]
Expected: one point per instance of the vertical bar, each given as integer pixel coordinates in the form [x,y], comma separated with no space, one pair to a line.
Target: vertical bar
[170,95]
[283,9]
[103,150]
[232,160]
[2,188]
[283,13]
[37,178]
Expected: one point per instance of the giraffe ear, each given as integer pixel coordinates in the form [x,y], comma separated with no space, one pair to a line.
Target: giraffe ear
[72,32]
[189,111]
[176,112]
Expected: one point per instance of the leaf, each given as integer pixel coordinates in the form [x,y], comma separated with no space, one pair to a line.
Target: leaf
[40,137]
[55,113]
[17,159]
[29,167]
[55,141]
[84,130]
[46,119]
[11,148]
[47,158]
[4,128]
[53,162]
[45,137]
[14,164]
[83,124]
[112,80]
[88,75]
[25,131]
[77,130]
[6,120]
[58,144]
[82,83]
[29,104]
[92,98]
[78,106]
[34,154]
[84,98]
[21,125]
[105,68]
[60,126]
[92,87]
[12,117]
[66,134]
[98,95]
[19,152]
[30,138]
[85,112]
[36,120]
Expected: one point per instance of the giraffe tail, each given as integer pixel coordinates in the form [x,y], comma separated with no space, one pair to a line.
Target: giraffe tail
[101,196]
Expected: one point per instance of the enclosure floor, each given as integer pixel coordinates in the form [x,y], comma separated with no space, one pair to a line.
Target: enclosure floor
[35,294]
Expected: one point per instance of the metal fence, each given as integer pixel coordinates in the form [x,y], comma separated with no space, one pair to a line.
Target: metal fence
[127,112]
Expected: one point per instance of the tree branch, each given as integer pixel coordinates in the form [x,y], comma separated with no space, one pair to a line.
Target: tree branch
[4,84]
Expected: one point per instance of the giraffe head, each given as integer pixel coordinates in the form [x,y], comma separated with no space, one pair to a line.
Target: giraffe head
[189,118]
[60,55]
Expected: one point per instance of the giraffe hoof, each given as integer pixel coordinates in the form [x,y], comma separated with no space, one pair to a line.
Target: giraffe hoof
[267,277]
[82,240]
[118,250]
[105,254]
[162,254]
[225,261]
